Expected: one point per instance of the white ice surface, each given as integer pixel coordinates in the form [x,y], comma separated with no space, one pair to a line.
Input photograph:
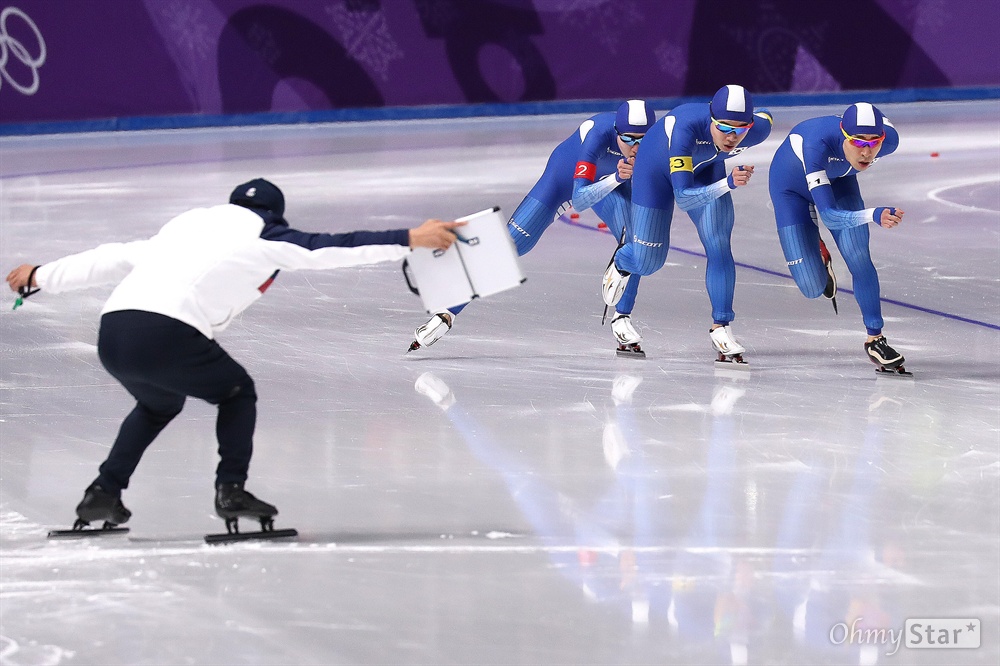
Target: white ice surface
[568,507]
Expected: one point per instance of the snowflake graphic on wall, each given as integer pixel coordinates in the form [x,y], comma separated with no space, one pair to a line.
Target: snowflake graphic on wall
[366,36]
[933,14]
[671,59]
[188,28]
[605,21]
[261,39]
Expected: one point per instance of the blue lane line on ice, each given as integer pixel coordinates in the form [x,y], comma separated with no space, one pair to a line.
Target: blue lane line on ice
[768,271]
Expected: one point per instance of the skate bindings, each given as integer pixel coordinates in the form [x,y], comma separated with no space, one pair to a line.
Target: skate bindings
[830,291]
[730,352]
[432,331]
[232,502]
[628,338]
[888,360]
[97,504]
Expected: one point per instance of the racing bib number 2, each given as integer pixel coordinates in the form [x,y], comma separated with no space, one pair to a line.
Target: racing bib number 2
[585,170]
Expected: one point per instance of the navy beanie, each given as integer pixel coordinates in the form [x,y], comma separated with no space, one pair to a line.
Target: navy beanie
[261,196]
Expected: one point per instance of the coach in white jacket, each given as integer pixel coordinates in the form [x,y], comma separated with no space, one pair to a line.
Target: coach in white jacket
[180,288]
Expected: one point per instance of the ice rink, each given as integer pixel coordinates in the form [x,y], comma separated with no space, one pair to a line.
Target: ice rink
[515,494]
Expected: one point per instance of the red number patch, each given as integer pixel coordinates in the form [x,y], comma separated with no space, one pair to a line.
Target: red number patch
[585,170]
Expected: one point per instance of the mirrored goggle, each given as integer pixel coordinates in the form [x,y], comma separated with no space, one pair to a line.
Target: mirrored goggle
[863,143]
[630,140]
[730,129]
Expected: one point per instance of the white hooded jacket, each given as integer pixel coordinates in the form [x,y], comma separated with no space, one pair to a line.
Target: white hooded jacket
[207,265]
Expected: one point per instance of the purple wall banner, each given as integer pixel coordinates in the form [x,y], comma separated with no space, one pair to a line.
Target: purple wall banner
[66,60]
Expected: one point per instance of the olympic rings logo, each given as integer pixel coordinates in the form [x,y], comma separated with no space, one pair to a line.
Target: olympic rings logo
[11,46]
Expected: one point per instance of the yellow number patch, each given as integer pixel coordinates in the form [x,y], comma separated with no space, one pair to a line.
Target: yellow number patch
[681,164]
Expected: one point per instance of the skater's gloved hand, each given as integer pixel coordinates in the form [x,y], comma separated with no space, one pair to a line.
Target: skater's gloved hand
[624,169]
[889,217]
[22,278]
[434,234]
[740,176]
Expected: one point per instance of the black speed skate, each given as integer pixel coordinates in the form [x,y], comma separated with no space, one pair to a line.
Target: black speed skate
[888,360]
[97,505]
[232,502]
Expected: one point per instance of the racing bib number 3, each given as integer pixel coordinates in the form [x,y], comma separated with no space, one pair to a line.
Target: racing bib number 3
[683,163]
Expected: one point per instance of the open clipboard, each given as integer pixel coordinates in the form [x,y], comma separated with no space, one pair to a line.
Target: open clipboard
[481,263]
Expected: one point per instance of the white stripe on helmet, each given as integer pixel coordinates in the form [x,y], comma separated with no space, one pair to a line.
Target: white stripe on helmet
[636,112]
[736,100]
[866,114]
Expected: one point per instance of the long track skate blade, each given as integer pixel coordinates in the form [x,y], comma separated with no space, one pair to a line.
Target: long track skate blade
[630,351]
[834,301]
[250,536]
[87,532]
[729,364]
[900,372]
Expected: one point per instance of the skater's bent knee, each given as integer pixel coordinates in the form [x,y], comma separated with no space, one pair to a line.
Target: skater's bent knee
[245,390]
[650,263]
[810,291]
[162,413]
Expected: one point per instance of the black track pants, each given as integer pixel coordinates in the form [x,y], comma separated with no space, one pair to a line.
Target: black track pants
[161,361]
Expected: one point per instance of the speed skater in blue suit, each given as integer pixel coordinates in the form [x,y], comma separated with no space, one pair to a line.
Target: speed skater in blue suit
[683,160]
[592,168]
[813,177]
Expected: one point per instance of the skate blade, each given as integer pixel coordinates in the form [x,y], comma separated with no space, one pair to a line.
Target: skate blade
[87,532]
[630,352]
[250,536]
[834,301]
[900,371]
[735,362]
[413,346]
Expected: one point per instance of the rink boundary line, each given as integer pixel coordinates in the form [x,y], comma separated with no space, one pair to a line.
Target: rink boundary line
[935,194]
[453,111]
[768,271]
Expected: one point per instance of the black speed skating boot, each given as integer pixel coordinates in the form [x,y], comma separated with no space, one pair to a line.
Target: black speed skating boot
[99,504]
[232,502]
[884,356]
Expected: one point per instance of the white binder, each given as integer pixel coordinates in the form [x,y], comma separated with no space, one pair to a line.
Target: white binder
[482,262]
